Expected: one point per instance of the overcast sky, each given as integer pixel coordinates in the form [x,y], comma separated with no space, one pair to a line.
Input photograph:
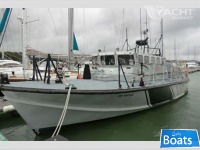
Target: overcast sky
[98,28]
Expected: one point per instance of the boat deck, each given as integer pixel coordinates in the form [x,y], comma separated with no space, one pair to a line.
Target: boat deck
[80,84]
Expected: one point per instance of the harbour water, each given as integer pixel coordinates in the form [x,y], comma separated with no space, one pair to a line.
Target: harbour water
[141,126]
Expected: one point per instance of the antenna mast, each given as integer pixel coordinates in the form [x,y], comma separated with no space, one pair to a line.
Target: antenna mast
[162,36]
[126,42]
[188,52]
[175,56]
[140,24]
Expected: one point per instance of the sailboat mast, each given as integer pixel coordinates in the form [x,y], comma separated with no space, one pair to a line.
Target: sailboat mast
[24,38]
[70,37]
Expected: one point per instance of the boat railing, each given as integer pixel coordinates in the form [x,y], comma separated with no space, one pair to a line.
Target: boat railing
[121,68]
[36,70]
[165,74]
[47,76]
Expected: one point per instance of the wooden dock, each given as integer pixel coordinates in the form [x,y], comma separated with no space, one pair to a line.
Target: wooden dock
[17,79]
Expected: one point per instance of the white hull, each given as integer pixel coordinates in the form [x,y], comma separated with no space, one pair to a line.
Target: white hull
[43,110]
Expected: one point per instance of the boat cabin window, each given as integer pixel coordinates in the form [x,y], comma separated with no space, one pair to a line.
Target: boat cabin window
[140,58]
[95,60]
[152,60]
[126,59]
[108,60]
[146,59]
[158,60]
[163,60]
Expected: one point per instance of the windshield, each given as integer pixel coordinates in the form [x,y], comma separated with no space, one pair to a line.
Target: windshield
[126,59]
[108,60]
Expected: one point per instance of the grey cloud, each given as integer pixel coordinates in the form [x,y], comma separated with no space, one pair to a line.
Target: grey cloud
[96,28]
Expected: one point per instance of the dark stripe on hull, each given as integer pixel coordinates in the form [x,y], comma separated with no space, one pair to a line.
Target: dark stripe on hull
[159,95]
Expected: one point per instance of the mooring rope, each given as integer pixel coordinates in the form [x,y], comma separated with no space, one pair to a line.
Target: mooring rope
[57,130]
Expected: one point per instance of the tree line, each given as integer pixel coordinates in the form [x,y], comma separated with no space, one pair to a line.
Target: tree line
[17,56]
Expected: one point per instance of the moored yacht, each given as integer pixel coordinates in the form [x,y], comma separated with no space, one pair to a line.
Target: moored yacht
[192,66]
[120,83]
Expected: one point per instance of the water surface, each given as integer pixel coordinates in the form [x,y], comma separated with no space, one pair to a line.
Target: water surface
[141,126]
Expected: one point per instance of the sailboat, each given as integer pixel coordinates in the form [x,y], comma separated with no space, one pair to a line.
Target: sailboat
[7,66]
[95,96]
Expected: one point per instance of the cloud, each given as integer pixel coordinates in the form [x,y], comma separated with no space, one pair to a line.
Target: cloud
[101,28]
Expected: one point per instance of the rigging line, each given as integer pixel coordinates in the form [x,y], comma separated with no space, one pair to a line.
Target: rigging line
[61,25]
[86,36]
[7,55]
[42,29]
[1,13]
[11,37]
[85,32]
[38,26]
[40,32]
[19,45]
[29,29]
[149,32]
[122,30]
[6,41]
[140,24]
[116,30]
[54,26]
[81,26]
[84,28]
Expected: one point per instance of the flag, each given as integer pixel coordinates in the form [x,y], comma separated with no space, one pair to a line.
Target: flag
[4,19]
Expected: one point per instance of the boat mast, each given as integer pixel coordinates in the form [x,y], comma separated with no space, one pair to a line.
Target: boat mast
[70,37]
[126,42]
[140,25]
[23,20]
[146,23]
